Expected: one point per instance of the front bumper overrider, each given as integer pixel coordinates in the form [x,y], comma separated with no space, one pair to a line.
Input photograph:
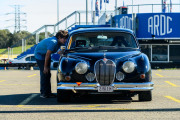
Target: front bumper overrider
[146,86]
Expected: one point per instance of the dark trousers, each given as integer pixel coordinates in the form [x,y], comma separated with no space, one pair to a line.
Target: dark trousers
[45,79]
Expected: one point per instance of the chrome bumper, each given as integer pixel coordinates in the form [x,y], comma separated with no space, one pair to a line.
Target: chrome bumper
[147,86]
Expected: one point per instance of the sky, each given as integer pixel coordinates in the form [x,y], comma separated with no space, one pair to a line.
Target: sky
[43,12]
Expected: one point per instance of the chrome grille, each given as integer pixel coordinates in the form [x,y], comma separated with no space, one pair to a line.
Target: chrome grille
[105,72]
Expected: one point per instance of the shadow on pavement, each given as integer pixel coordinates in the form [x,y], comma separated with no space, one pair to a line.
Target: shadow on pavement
[65,111]
[16,99]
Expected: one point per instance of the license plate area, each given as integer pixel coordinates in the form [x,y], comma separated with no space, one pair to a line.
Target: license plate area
[105,89]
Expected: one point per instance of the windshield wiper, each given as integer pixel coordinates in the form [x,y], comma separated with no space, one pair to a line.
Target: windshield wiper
[77,48]
[103,47]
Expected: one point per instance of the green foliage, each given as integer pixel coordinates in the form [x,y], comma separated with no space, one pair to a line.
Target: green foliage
[42,35]
[17,38]
[5,36]
[8,39]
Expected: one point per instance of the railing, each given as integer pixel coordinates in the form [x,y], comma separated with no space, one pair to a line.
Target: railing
[75,18]
[152,8]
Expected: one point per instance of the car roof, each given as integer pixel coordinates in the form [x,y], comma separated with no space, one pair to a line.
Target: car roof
[101,29]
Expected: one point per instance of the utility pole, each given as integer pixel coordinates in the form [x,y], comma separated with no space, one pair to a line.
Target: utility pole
[17,18]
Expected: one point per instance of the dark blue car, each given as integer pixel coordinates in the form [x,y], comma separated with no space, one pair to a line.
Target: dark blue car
[103,61]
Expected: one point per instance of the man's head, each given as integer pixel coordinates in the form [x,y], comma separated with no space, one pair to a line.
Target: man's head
[62,36]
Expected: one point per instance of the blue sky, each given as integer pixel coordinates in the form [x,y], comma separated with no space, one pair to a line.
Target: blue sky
[41,12]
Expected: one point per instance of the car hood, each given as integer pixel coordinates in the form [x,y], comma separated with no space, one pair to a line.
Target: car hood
[100,55]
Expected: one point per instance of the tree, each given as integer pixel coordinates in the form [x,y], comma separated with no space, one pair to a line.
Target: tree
[4,38]
[7,39]
[18,36]
[42,35]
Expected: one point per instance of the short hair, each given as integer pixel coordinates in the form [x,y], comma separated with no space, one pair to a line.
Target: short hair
[62,34]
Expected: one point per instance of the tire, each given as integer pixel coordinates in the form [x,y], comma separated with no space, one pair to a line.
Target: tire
[145,96]
[64,95]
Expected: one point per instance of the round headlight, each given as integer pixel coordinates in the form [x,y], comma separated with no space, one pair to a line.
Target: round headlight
[128,67]
[119,76]
[81,67]
[90,77]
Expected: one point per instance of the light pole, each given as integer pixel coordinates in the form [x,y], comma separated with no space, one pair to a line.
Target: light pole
[132,16]
[162,6]
[132,6]
[115,7]
[86,12]
[57,14]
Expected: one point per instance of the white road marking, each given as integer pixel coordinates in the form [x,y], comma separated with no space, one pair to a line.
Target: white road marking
[27,100]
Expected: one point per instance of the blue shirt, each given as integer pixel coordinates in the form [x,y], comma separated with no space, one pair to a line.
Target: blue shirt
[46,44]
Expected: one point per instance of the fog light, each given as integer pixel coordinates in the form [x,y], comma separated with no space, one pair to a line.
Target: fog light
[90,77]
[142,76]
[119,76]
[68,78]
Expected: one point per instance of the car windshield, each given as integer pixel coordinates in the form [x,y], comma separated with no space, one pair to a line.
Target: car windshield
[107,40]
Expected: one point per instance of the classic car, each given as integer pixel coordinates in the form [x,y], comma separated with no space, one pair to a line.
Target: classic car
[103,61]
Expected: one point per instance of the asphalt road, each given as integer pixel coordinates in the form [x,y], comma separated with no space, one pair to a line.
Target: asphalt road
[19,99]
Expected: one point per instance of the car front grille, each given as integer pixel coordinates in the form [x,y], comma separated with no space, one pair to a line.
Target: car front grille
[105,71]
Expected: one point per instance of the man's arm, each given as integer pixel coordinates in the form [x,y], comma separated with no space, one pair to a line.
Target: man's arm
[47,62]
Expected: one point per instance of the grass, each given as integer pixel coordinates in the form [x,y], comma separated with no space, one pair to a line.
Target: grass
[16,50]
[1,50]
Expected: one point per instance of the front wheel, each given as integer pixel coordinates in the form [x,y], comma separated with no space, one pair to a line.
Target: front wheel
[145,96]
[64,95]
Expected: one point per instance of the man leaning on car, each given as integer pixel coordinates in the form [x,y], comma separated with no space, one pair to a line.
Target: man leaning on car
[43,53]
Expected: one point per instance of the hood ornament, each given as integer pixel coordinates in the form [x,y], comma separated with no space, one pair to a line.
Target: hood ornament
[105,59]
[104,55]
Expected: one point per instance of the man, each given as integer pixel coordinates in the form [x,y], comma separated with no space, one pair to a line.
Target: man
[43,52]
[119,41]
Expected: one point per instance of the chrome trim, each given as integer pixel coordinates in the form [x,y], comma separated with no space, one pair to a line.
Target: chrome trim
[80,57]
[117,86]
[65,84]
[128,56]
[122,84]
[105,63]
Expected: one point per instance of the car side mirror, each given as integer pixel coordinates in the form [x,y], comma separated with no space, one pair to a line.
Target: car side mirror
[63,47]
